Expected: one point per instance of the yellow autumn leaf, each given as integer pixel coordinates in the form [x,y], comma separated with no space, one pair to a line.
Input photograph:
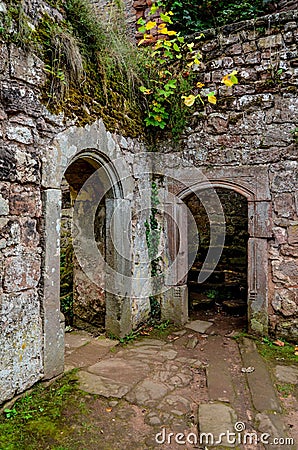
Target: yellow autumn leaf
[149,25]
[158,45]
[227,81]
[189,100]
[200,85]
[230,79]
[172,33]
[161,25]
[212,99]
[146,38]
[158,118]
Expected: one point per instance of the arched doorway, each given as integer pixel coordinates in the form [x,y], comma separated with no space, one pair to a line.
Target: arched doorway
[82,300]
[224,292]
[253,184]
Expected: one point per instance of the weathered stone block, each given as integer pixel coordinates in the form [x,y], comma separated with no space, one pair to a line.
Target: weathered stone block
[4,206]
[22,272]
[27,166]
[286,271]
[29,235]
[284,205]
[25,200]
[26,66]
[16,99]
[19,133]
[293,233]
[7,164]
[270,41]
[53,341]
[280,235]
[20,343]
[285,301]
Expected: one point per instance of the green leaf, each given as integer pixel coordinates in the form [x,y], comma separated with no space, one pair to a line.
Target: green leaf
[176,47]
[165,18]
[234,79]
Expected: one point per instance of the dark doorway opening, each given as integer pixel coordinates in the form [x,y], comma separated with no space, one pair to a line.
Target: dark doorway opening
[224,293]
[81,300]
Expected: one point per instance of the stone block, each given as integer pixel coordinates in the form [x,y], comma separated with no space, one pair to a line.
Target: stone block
[270,41]
[4,206]
[285,270]
[19,133]
[284,205]
[27,166]
[293,234]
[16,99]
[20,343]
[213,420]
[29,234]
[25,200]
[285,301]
[26,66]
[7,163]
[21,272]
[280,235]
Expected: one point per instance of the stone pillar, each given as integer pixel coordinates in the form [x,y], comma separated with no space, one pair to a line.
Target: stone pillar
[258,286]
[118,274]
[174,304]
[53,326]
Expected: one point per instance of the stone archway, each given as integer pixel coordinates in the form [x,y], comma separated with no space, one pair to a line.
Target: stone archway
[252,183]
[97,146]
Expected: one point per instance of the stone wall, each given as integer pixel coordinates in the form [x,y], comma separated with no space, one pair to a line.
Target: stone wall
[247,142]
[26,130]
[253,125]
[32,163]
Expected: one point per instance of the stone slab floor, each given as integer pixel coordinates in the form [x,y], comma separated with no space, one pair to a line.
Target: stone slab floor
[197,380]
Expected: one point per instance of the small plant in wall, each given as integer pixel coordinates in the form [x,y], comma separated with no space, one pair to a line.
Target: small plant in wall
[172,78]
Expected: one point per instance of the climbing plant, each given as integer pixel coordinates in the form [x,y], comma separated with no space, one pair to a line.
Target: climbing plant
[172,83]
[192,16]
[153,232]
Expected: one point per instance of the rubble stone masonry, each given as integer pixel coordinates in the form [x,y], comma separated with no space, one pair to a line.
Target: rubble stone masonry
[249,138]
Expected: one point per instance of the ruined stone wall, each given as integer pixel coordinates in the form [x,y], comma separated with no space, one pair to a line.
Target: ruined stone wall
[253,125]
[32,165]
[26,130]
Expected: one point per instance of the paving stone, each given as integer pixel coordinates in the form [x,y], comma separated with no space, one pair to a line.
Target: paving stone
[177,404]
[191,344]
[86,355]
[167,354]
[105,342]
[261,387]
[76,339]
[200,326]
[216,418]
[150,342]
[179,333]
[120,370]
[273,425]
[149,350]
[219,378]
[94,384]
[184,360]
[172,379]
[287,374]
[148,393]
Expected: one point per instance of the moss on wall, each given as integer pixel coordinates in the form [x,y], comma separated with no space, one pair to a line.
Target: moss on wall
[92,71]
